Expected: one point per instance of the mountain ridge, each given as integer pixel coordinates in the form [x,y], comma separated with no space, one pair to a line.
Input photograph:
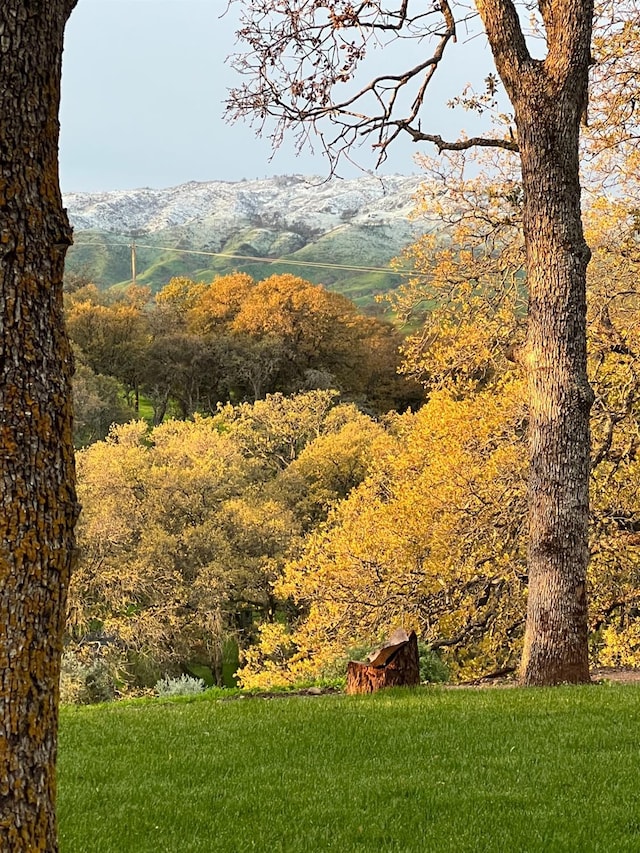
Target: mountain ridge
[362,222]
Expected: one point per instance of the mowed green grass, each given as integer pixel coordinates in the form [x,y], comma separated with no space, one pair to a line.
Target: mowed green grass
[427,770]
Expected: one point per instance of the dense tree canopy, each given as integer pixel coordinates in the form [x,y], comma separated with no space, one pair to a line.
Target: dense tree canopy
[197,345]
[186,527]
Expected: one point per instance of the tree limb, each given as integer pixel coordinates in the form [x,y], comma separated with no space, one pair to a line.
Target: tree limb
[508,45]
[299,56]
[461,144]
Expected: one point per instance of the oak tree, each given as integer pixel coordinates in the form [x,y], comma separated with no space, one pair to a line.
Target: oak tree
[435,537]
[97,404]
[302,54]
[185,527]
[431,539]
[113,338]
[282,334]
[466,297]
[36,442]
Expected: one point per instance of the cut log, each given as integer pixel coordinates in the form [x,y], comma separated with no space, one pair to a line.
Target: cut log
[396,664]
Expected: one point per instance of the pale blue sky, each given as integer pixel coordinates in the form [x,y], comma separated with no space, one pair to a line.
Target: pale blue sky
[143,88]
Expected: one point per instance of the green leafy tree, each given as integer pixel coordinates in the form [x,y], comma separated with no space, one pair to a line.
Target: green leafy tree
[148,532]
[113,339]
[431,540]
[186,527]
[286,335]
[97,404]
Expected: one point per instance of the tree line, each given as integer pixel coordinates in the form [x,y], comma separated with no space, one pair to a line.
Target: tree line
[196,345]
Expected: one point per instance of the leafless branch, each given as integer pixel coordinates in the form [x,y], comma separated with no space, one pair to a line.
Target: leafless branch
[301,53]
[462,144]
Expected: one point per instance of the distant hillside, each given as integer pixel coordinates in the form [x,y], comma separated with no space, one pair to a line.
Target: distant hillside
[321,225]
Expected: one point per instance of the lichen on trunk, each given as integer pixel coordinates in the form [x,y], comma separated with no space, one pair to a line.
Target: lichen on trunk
[38,480]
[549,97]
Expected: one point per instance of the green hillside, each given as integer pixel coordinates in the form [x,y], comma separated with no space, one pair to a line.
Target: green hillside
[106,259]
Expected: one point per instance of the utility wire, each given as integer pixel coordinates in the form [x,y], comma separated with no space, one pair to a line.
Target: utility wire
[318,264]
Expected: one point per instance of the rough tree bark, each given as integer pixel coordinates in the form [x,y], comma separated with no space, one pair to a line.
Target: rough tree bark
[38,483]
[549,99]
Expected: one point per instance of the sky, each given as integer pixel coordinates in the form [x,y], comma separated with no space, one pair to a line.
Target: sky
[143,90]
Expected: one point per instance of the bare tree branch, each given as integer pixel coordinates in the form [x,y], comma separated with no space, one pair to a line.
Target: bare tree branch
[462,144]
[300,52]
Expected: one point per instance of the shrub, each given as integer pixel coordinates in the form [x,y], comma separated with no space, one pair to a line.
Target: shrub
[620,646]
[185,685]
[432,668]
[85,682]
[337,668]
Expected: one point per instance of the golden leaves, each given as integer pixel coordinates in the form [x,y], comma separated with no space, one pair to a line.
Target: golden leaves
[428,540]
[193,520]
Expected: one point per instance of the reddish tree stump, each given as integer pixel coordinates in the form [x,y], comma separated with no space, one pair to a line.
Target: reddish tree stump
[395,665]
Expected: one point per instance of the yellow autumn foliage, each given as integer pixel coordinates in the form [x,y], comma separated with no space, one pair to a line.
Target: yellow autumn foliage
[186,527]
[465,303]
[430,541]
[433,539]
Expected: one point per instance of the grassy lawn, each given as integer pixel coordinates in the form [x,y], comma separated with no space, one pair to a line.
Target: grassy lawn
[428,770]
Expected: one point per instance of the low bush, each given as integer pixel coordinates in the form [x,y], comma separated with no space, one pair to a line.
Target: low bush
[87,681]
[433,670]
[185,685]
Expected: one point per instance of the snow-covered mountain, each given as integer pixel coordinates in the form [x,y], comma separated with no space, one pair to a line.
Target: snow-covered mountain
[283,201]
[360,222]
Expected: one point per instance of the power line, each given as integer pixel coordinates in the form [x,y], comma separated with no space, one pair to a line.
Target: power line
[231,256]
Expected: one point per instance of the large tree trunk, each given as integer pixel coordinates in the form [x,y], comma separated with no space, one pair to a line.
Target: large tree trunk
[38,484]
[559,396]
[549,98]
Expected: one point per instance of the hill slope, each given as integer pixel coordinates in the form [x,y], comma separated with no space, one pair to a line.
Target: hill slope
[297,224]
